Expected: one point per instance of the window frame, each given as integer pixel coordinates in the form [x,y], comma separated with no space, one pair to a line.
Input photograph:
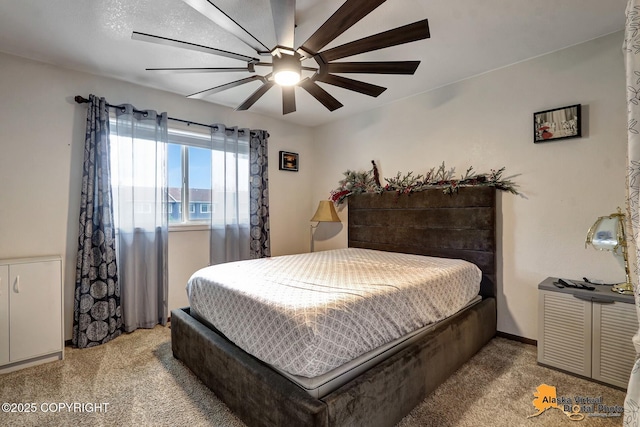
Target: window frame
[184,208]
[185,137]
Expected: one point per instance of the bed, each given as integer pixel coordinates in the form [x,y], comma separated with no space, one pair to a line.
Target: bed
[457,226]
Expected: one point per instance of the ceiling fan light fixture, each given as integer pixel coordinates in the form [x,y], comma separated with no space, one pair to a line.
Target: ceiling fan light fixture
[287,69]
[287,78]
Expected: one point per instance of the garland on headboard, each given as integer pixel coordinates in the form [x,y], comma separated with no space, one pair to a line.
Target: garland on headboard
[357,182]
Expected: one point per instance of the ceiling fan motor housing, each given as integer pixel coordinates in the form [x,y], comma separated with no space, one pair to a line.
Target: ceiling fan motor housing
[287,67]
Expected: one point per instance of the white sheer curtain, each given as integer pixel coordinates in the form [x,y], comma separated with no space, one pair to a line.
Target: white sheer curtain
[139,183]
[230,239]
[632,62]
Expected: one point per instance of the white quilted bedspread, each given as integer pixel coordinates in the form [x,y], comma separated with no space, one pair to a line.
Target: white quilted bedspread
[307,314]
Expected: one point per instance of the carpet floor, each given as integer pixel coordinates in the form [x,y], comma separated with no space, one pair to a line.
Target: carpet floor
[135,381]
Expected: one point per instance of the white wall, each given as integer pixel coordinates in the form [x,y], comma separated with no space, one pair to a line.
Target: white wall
[486,122]
[41,141]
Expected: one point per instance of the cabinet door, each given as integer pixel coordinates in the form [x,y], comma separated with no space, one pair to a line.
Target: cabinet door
[564,332]
[613,351]
[35,315]
[4,314]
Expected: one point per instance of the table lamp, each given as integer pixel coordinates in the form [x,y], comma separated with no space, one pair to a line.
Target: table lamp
[608,234]
[325,213]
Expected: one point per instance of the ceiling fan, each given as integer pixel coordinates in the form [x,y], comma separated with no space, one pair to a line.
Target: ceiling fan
[287,58]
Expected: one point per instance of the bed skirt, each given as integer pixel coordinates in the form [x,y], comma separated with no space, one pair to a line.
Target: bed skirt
[381,396]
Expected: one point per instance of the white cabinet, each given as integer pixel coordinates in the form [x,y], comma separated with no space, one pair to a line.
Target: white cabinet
[4,314]
[587,332]
[613,328]
[564,333]
[31,328]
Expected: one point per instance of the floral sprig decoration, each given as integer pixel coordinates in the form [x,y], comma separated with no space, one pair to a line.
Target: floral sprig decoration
[441,177]
[356,182]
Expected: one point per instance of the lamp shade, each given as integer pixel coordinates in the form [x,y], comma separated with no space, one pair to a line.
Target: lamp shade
[607,233]
[325,212]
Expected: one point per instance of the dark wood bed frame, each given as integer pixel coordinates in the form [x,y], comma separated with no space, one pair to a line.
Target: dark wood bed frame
[461,225]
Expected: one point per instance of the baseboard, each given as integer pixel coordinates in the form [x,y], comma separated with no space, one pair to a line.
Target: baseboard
[517,338]
[12,367]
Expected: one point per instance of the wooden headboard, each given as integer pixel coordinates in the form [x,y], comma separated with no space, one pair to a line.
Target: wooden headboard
[460,225]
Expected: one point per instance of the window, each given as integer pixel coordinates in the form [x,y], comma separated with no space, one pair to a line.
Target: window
[202,179]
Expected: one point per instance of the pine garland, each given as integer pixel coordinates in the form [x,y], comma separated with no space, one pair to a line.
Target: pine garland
[357,182]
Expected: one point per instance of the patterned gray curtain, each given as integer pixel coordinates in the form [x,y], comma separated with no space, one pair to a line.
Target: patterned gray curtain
[259,194]
[97,311]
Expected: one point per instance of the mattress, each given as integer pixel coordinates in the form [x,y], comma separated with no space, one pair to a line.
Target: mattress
[308,314]
[324,384]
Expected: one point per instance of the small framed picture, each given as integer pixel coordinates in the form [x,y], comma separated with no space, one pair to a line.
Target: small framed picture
[288,161]
[559,123]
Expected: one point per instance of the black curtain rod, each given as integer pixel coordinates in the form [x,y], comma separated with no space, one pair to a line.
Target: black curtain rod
[81,100]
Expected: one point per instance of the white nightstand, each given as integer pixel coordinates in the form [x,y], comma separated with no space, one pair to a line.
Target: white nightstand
[587,333]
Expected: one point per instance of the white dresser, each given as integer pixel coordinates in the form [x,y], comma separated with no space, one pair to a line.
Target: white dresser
[31,307]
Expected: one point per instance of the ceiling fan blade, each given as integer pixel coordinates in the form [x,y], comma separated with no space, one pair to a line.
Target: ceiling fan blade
[349,13]
[391,67]
[186,45]
[211,11]
[288,99]
[249,69]
[320,94]
[255,96]
[284,21]
[401,35]
[350,84]
[202,94]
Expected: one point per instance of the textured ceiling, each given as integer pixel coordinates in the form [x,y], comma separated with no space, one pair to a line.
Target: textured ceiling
[467,38]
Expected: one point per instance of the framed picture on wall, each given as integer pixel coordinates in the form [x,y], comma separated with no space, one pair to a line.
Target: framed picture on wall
[559,123]
[288,161]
